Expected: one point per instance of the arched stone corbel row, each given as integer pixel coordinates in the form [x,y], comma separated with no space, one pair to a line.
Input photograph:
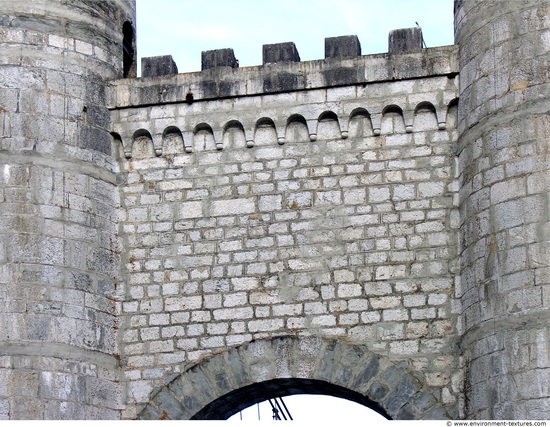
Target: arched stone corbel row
[280,125]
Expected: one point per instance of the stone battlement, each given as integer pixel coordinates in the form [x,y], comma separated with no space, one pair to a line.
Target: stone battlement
[282,71]
[399,41]
[284,91]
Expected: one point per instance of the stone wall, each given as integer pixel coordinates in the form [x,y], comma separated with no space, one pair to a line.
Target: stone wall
[504,183]
[342,225]
[58,209]
[326,212]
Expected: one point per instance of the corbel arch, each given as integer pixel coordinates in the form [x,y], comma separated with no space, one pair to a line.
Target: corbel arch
[265,131]
[172,140]
[120,147]
[234,134]
[142,144]
[297,129]
[425,117]
[204,139]
[328,125]
[451,119]
[360,123]
[393,120]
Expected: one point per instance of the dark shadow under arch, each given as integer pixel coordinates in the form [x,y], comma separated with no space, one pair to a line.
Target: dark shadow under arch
[328,115]
[424,105]
[290,365]
[231,403]
[452,114]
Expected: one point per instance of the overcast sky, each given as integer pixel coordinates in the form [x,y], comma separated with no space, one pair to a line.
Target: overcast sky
[185,28]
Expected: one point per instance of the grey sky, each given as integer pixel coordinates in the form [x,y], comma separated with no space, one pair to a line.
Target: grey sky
[185,28]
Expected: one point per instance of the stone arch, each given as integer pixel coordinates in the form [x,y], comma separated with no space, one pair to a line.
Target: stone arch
[172,140]
[356,122]
[142,144]
[203,137]
[425,116]
[223,384]
[297,129]
[119,147]
[234,134]
[393,120]
[451,118]
[265,132]
[328,125]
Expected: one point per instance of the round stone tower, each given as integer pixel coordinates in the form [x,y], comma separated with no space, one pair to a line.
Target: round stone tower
[504,174]
[58,206]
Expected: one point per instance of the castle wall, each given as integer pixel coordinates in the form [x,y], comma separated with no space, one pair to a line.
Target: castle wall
[58,209]
[155,232]
[504,183]
[328,211]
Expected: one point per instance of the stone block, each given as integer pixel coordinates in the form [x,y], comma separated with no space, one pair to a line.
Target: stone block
[156,66]
[265,325]
[218,58]
[405,40]
[342,47]
[4,409]
[280,52]
[189,210]
[270,203]
[233,313]
[404,347]
[232,207]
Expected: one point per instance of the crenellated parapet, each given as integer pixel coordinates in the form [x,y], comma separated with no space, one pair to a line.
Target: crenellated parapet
[285,92]
[282,71]
[315,199]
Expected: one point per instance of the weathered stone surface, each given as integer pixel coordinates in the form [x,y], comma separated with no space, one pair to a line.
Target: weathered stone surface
[58,207]
[498,234]
[405,40]
[162,239]
[342,47]
[280,52]
[218,58]
[158,66]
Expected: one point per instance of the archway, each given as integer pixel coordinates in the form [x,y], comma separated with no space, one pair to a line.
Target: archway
[231,403]
[311,408]
[223,384]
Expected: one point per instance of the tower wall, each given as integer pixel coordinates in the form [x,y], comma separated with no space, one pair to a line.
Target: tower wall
[504,182]
[58,207]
